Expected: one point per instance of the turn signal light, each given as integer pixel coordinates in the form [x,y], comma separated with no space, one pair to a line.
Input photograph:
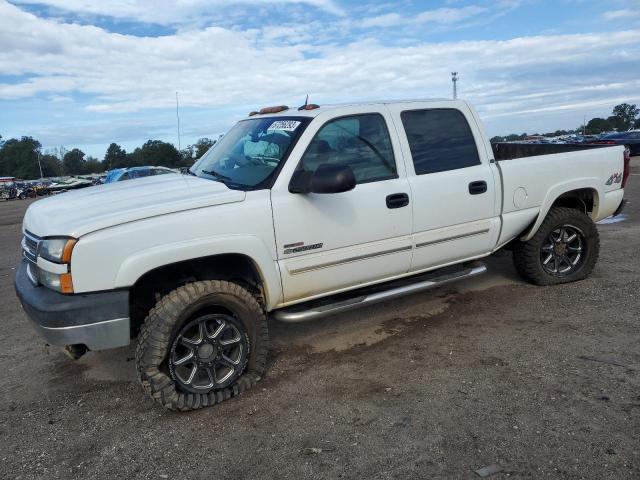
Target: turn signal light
[66,283]
[68,250]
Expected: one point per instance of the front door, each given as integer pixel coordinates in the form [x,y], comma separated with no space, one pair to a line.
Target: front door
[332,242]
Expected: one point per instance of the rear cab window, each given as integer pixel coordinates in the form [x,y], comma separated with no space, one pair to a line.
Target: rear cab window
[440,139]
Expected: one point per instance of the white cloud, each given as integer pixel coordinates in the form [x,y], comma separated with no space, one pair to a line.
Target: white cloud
[167,12]
[623,14]
[218,69]
[440,16]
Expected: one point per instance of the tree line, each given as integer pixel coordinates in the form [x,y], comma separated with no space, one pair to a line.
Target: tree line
[22,158]
[623,117]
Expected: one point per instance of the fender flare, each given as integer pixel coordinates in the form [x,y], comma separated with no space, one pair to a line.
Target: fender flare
[142,262]
[556,191]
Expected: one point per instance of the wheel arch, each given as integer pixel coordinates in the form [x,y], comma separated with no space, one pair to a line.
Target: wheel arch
[157,282]
[584,198]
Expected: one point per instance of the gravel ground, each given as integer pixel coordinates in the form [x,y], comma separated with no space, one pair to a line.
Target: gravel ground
[436,385]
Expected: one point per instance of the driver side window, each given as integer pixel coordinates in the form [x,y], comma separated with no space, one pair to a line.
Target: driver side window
[361,142]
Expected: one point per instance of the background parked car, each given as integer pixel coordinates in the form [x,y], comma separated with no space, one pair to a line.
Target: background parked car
[120,174]
[631,139]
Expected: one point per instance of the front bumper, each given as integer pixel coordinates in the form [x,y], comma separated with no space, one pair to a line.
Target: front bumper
[97,320]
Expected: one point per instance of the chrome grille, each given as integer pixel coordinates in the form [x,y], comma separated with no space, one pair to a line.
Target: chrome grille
[30,252]
[30,246]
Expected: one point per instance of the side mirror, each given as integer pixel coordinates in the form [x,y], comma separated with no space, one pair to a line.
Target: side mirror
[326,179]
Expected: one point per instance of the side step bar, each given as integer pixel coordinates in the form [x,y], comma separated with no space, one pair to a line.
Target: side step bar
[302,313]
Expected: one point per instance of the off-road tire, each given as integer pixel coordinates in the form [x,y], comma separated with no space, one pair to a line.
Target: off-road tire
[172,312]
[526,255]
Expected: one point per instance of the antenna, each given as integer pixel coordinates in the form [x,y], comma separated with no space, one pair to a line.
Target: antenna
[178,117]
[454,79]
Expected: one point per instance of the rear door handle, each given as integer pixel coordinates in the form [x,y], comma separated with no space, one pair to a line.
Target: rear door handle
[476,188]
[397,200]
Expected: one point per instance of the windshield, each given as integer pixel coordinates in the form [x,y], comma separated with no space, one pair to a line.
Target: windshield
[248,156]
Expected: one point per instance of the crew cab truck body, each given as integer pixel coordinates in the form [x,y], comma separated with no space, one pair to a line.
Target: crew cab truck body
[298,214]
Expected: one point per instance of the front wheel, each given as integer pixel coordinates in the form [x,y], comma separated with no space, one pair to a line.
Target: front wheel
[203,343]
[564,249]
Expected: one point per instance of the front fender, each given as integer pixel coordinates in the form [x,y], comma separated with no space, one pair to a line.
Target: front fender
[136,265]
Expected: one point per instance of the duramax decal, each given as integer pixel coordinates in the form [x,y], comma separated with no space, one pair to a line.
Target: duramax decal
[300,247]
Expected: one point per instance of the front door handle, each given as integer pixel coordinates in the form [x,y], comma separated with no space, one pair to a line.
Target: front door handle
[397,200]
[476,188]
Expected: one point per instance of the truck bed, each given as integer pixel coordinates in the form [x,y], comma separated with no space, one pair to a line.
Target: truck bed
[512,150]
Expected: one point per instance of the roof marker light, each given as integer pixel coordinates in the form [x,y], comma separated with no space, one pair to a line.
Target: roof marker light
[280,108]
[310,106]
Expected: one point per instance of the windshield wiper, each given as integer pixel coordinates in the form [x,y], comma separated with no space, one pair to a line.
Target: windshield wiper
[217,175]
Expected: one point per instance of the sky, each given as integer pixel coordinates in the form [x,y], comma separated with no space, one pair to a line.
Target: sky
[81,73]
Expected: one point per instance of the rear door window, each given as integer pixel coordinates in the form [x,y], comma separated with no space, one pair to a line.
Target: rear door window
[439,139]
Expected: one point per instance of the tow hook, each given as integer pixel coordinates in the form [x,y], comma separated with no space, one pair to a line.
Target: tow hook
[75,352]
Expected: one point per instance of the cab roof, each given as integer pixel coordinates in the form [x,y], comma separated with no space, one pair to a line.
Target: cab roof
[294,112]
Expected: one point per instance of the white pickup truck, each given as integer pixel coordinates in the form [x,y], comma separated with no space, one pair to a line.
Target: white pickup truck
[299,213]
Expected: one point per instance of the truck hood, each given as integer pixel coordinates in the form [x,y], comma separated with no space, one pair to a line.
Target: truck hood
[79,212]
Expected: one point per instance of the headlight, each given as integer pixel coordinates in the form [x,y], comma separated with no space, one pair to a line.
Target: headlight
[56,250]
[55,281]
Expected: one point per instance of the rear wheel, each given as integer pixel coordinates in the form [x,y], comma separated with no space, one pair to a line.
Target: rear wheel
[564,249]
[201,344]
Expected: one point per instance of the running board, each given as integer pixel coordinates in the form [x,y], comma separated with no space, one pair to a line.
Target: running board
[314,310]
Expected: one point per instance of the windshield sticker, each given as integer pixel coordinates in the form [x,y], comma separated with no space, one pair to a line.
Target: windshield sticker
[284,125]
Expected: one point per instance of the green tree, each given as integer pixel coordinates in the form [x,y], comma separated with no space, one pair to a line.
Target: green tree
[617,123]
[202,146]
[93,165]
[193,152]
[115,157]
[51,165]
[598,125]
[156,152]
[19,158]
[74,162]
[626,114]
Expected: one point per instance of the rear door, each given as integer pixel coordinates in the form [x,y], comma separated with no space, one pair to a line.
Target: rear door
[331,242]
[456,206]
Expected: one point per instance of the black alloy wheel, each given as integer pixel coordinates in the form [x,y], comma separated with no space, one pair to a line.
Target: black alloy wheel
[208,353]
[563,251]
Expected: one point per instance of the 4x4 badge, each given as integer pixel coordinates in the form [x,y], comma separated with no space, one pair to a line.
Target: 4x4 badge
[615,178]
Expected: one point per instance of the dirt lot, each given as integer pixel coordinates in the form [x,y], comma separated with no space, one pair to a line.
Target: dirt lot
[435,385]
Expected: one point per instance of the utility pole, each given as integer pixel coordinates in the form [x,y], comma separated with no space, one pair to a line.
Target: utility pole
[454,79]
[40,165]
[178,117]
